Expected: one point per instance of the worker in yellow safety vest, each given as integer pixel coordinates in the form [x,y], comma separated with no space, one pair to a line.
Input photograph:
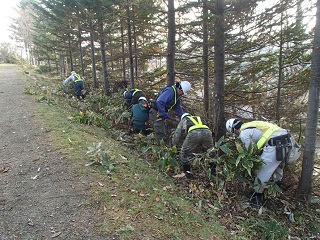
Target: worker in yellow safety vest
[274,141]
[78,82]
[198,138]
[132,96]
[168,99]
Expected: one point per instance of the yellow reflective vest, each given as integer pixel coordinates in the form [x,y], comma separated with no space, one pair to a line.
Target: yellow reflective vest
[267,130]
[135,91]
[197,123]
[79,79]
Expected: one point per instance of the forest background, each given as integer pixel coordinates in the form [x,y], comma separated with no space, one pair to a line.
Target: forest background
[245,59]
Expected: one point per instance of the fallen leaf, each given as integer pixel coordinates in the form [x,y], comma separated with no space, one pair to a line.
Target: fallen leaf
[35,177]
[100,184]
[181,175]
[6,169]
[213,207]
[158,217]
[115,218]
[56,234]
[157,199]
[30,223]
[36,159]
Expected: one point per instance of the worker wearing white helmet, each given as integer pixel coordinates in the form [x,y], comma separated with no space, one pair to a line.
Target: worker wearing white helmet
[273,140]
[140,116]
[168,99]
[197,137]
[78,82]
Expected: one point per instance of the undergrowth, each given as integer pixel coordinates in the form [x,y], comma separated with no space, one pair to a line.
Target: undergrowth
[142,190]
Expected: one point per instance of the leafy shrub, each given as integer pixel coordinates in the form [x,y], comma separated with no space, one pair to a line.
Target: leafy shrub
[97,156]
[164,156]
[235,163]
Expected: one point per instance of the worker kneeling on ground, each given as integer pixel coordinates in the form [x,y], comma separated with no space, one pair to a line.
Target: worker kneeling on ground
[197,135]
[140,116]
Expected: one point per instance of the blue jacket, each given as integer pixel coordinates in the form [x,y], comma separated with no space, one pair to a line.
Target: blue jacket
[168,99]
[133,96]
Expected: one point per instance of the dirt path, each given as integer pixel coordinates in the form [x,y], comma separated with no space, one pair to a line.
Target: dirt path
[40,198]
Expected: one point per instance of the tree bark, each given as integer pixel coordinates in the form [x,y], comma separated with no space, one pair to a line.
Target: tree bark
[81,52]
[130,46]
[123,53]
[280,76]
[106,85]
[305,183]
[171,44]
[219,72]
[205,58]
[93,61]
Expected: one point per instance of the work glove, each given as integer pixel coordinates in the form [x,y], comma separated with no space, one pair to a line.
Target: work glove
[164,116]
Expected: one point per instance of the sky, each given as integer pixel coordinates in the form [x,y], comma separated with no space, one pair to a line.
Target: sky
[6,11]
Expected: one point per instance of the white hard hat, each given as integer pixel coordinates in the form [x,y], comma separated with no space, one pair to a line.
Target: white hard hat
[124,93]
[142,98]
[185,86]
[229,125]
[185,114]
[73,72]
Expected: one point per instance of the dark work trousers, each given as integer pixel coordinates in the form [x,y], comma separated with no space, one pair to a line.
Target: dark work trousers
[78,86]
[159,127]
[197,140]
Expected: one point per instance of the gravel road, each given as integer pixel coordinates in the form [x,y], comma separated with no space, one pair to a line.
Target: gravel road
[40,196]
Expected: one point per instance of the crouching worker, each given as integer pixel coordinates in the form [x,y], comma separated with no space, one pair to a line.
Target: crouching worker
[198,138]
[140,116]
[78,81]
[132,96]
[273,140]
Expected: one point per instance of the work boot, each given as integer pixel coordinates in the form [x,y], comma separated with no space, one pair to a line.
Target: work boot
[186,169]
[256,200]
[213,168]
[279,183]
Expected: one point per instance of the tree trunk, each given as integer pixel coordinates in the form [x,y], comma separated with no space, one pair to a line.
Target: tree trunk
[103,58]
[171,44]
[93,59]
[219,71]
[123,54]
[70,53]
[280,76]
[205,59]
[130,46]
[81,52]
[305,183]
[299,16]
[135,44]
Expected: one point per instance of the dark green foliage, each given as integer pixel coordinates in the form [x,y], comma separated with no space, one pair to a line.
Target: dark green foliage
[164,156]
[236,162]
